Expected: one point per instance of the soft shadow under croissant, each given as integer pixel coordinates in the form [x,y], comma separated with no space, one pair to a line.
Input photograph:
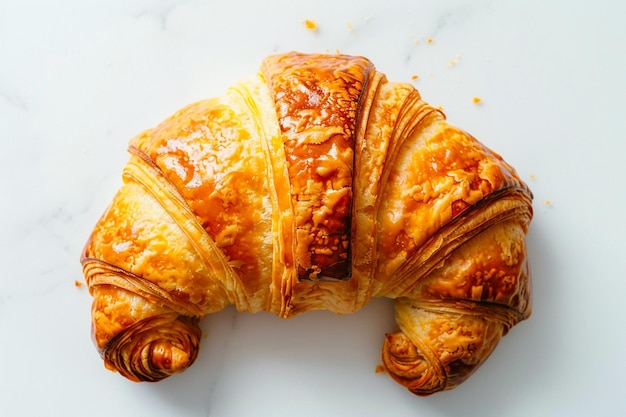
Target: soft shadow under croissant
[316,184]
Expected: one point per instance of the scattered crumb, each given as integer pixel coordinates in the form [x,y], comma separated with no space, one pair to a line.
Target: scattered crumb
[310,24]
[429,40]
[78,284]
[349,26]
[414,77]
[477,100]
[548,202]
[532,176]
[380,369]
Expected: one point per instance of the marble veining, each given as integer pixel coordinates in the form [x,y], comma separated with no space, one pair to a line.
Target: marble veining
[79,79]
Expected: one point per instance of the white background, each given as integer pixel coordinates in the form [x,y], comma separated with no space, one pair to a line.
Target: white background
[79,78]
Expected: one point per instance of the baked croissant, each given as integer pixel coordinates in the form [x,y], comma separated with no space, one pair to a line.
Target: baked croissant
[316,184]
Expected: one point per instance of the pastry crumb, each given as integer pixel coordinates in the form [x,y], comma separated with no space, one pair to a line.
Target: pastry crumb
[414,77]
[429,40]
[78,284]
[380,369]
[349,25]
[477,100]
[454,60]
[548,202]
[310,25]
[532,177]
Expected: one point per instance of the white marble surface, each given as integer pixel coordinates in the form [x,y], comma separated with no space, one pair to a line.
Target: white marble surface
[78,79]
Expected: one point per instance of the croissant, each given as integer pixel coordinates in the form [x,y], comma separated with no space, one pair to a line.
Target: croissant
[316,184]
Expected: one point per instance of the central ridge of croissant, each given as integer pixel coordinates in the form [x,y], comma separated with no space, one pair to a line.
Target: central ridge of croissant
[317,104]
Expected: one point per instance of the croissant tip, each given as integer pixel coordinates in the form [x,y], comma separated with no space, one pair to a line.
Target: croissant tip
[154,348]
[169,359]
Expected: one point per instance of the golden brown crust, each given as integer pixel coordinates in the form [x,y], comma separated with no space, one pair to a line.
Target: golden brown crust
[230,202]
[317,168]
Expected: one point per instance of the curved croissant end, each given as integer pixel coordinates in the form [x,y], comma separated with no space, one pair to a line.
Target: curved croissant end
[428,364]
[154,348]
[137,333]
[458,313]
